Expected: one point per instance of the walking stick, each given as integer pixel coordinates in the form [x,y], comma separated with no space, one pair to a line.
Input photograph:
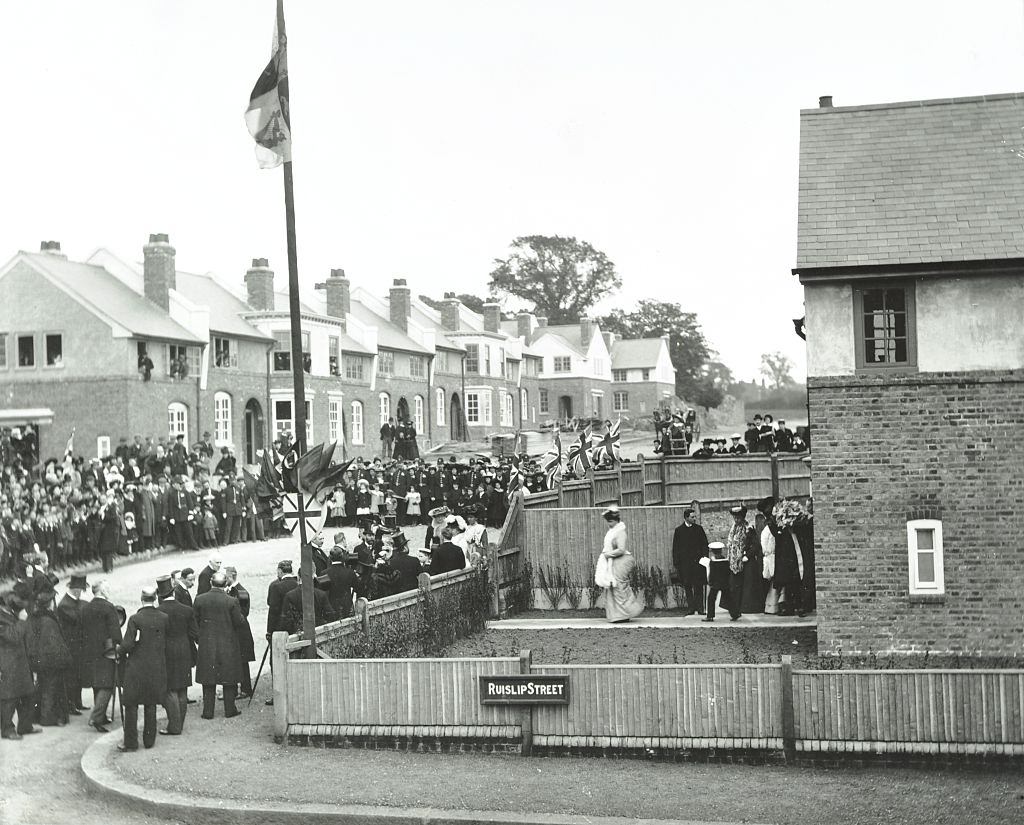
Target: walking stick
[259,673]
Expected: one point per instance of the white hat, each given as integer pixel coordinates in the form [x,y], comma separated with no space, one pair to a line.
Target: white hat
[612,510]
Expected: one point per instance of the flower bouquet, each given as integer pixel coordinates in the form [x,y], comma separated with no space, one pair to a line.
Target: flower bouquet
[790,512]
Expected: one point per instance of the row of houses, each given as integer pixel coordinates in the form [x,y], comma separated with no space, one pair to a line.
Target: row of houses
[113,348]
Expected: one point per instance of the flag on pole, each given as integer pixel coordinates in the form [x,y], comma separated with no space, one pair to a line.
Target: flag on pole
[515,479]
[69,449]
[268,118]
[334,475]
[607,446]
[551,462]
[579,454]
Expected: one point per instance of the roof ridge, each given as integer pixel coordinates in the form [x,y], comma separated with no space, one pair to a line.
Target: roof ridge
[911,104]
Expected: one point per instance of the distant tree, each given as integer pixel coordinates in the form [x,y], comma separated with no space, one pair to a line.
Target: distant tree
[777,369]
[561,277]
[688,348]
[714,382]
[473,302]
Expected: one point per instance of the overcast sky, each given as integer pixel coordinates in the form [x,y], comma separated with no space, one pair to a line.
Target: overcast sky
[429,134]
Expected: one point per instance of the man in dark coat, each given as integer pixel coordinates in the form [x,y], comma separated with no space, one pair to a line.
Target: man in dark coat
[220,620]
[278,589]
[186,581]
[69,614]
[689,546]
[407,567]
[17,693]
[49,657]
[448,556]
[178,510]
[145,672]
[206,574]
[182,636]
[231,511]
[339,581]
[291,609]
[110,532]
[101,633]
[246,644]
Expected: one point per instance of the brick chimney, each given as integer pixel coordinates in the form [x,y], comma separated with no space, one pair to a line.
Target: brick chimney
[542,320]
[450,312]
[400,304]
[339,295]
[259,285]
[158,272]
[524,325]
[51,248]
[825,102]
[609,340]
[492,317]
[586,330]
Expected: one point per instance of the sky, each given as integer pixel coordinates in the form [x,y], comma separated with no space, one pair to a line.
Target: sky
[428,135]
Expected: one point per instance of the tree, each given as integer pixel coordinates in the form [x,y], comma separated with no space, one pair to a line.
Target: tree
[561,277]
[688,348]
[473,302]
[777,368]
[715,380]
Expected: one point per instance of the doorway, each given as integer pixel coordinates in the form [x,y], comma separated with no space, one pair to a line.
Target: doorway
[565,407]
[456,419]
[254,429]
[403,409]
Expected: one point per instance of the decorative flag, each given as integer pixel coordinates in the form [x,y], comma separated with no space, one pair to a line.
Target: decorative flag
[289,464]
[70,445]
[515,479]
[270,478]
[608,445]
[268,117]
[334,475]
[579,454]
[551,462]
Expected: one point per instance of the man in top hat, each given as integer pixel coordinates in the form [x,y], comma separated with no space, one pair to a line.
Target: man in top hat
[291,609]
[101,634]
[145,673]
[219,618]
[339,580]
[178,509]
[407,568]
[182,637]
[17,692]
[69,615]
[736,448]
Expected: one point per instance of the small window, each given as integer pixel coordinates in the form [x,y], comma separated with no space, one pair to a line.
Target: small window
[472,358]
[354,368]
[924,545]
[417,366]
[333,420]
[543,402]
[485,408]
[507,415]
[439,410]
[486,364]
[177,421]
[563,363]
[102,446]
[54,350]
[885,327]
[385,407]
[357,422]
[646,375]
[26,351]
[307,355]
[224,355]
[3,350]
[524,404]
[283,418]
[620,401]
[618,375]
[222,419]
[472,408]
[334,357]
[182,361]
[385,363]
[282,351]
[417,413]
[441,361]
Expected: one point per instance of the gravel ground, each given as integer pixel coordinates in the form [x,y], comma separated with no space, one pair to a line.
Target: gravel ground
[237,758]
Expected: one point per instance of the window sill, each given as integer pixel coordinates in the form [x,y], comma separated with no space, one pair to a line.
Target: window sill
[927,598]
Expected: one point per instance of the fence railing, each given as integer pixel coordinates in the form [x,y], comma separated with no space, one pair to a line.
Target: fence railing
[665,707]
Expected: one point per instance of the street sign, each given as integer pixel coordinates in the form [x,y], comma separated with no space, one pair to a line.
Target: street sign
[312,510]
[524,690]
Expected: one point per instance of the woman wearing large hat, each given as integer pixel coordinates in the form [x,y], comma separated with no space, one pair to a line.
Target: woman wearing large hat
[614,565]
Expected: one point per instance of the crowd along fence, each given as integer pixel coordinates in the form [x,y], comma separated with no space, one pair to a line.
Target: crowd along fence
[660,708]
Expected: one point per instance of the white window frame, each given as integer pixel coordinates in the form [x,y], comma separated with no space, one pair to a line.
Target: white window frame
[355,368]
[222,419]
[524,404]
[283,425]
[177,421]
[505,411]
[439,403]
[417,413]
[17,351]
[357,423]
[545,404]
[385,363]
[620,375]
[620,401]
[473,408]
[46,350]
[417,366]
[230,359]
[384,407]
[334,351]
[565,360]
[333,420]
[102,446]
[486,412]
[918,588]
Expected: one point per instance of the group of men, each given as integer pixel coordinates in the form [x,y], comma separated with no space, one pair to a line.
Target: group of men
[50,651]
[398,439]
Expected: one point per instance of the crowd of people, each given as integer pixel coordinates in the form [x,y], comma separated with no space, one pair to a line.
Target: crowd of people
[675,433]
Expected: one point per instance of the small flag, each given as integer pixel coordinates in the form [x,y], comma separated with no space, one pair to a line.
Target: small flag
[579,454]
[607,446]
[289,465]
[551,462]
[269,486]
[268,117]
[70,445]
[334,475]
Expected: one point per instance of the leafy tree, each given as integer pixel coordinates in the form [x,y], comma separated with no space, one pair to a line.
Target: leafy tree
[688,347]
[561,277]
[778,369]
[715,380]
[473,302]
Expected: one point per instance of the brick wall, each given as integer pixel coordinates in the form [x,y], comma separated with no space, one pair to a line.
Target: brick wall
[888,450]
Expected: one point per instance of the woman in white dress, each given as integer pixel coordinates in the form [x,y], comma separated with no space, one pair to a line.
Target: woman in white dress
[613,568]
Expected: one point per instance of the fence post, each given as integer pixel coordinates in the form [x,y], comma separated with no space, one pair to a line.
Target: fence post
[423,581]
[494,579]
[775,475]
[618,469]
[362,614]
[279,666]
[643,480]
[590,478]
[526,711]
[664,481]
[788,711]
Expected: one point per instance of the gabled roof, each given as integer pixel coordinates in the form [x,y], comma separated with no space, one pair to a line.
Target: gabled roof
[281,304]
[346,342]
[636,352]
[571,334]
[388,335]
[906,183]
[225,307]
[109,298]
[424,316]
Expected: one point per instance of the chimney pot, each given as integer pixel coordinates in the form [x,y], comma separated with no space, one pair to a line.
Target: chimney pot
[542,320]
[337,273]
[450,319]
[259,285]
[159,237]
[159,274]
[399,282]
[400,304]
[825,102]
[260,263]
[524,325]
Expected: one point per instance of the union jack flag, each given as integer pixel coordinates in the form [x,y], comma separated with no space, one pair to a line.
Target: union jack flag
[578,457]
[607,445]
[515,479]
[551,461]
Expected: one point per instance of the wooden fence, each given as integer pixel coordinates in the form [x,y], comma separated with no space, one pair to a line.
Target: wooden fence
[662,707]
[716,483]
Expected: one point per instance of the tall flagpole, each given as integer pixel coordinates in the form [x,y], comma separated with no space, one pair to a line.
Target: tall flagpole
[298,371]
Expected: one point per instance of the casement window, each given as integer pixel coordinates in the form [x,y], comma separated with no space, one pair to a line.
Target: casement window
[473,358]
[334,356]
[177,421]
[357,422]
[486,363]
[439,407]
[54,342]
[417,413]
[472,408]
[543,402]
[441,361]
[646,375]
[563,363]
[182,361]
[885,326]
[924,548]
[384,406]
[505,411]
[354,368]
[417,366]
[284,423]
[334,420]
[620,401]
[221,419]
[26,351]
[283,351]
[224,354]
[524,405]
[385,363]
[618,375]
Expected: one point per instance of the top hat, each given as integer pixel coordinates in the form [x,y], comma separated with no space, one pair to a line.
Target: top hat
[164,588]
[78,582]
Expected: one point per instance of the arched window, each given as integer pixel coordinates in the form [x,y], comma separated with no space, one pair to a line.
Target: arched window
[385,408]
[417,413]
[221,419]
[439,412]
[357,422]
[177,420]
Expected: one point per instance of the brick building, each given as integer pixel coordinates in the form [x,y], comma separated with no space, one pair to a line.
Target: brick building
[912,259]
[643,378]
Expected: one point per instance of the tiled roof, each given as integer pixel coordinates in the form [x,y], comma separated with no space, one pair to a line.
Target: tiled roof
[424,319]
[571,334]
[388,335]
[111,299]
[636,352]
[906,183]
[224,305]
